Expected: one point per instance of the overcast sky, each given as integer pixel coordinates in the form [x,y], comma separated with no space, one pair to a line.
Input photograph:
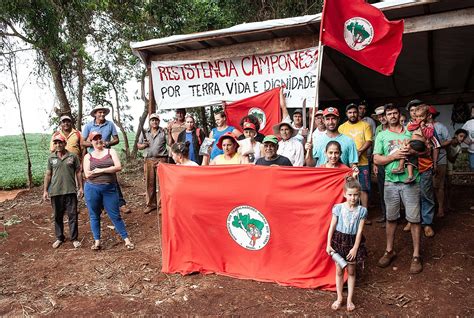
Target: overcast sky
[38,101]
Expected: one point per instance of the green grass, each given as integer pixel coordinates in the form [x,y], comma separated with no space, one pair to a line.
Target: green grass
[13,163]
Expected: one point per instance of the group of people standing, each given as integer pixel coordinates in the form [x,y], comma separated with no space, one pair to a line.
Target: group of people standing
[412,161]
[72,154]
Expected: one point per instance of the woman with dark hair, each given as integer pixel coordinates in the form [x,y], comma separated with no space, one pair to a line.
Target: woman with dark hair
[333,155]
[180,154]
[221,129]
[195,136]
[254,120]
[229,144]
[100,189]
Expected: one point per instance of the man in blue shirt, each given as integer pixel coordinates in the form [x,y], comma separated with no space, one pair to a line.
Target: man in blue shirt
[349,155]
[102,125]
[109,136]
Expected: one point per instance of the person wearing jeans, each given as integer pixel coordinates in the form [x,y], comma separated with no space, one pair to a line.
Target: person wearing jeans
[101,189]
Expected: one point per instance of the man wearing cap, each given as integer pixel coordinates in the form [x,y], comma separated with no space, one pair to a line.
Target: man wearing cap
[320,128]
[297,123]
[73,137]
[389,149]
[154,144]
[379,170]
[109,136]
[361,133]
[62,185]
[348,147]
[439,179]
[270,155]
[288,146]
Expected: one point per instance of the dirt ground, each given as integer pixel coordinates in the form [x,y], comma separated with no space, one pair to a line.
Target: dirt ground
[38,280]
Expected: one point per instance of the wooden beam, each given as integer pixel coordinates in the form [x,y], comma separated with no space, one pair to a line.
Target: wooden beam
[240,49]
[438,21]
[151,95]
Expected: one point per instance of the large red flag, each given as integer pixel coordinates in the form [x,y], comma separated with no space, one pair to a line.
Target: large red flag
[251,222]
[361,31]
[265,106]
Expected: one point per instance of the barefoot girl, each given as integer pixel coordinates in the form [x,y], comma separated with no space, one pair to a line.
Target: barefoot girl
[345,238]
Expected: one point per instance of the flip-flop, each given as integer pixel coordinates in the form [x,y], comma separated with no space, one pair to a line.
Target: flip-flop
[130,246]
[336,305]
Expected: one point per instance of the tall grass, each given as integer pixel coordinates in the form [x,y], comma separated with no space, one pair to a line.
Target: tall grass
[13,163]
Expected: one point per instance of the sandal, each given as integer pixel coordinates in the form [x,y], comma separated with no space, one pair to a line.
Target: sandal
[336,305]
[351,307]
[95,247]
[129,246]
[76,244]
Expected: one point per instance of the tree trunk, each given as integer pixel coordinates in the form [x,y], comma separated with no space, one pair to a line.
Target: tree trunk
[118,122]
[16,91]
[141,122]
[80,91]
[55,69]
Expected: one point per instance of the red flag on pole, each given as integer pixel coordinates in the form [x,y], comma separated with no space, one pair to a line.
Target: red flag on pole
[250,222]
[265,106]
[361,31]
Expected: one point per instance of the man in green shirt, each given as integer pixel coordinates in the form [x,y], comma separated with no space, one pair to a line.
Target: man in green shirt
[389,148]
[60,187]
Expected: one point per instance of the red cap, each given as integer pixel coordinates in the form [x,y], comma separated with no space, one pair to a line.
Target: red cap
[94,134]
[224,136]
[433,110]
[249,125]
[331,111]
[58,136]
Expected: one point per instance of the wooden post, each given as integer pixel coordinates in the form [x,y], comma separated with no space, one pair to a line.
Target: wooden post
[151,96]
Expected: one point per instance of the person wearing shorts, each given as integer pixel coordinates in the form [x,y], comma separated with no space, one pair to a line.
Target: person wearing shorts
[389,149]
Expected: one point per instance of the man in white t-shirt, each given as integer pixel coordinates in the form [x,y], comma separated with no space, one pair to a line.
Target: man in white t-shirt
[320,128]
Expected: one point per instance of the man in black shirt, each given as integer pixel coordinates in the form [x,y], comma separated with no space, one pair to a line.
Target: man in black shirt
[271,158]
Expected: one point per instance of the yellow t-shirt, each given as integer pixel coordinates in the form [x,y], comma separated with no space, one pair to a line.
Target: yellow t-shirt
[73,142]
[360,133]
[235,160]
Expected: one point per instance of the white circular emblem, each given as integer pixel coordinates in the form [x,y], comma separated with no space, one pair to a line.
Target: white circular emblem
[260,114]
[248,227]
[358,33]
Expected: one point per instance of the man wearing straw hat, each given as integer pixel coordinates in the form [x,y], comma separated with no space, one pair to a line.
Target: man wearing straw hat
[109,136]
[288,146]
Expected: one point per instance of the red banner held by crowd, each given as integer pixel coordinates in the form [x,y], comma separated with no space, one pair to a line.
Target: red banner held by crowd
[361,31]
[250,222]
[265,106]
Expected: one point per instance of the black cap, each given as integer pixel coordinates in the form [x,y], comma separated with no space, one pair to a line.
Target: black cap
[414,103]
[363,102]
[351,105]
[298,110]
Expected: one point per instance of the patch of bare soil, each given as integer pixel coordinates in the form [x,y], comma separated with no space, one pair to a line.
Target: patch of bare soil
[39,280]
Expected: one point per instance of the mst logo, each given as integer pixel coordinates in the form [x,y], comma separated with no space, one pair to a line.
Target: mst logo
[358,33]
[248,227]
[260,114]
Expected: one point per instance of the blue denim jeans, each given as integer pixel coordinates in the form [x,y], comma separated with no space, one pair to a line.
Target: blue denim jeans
[427,197]
[103,195]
